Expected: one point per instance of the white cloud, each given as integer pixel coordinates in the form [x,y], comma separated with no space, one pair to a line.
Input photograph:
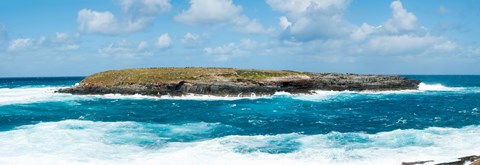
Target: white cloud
[60,37]
[41,40]
[401,19]
[311,19]
[224,49]
[20,44]
[363,31]
[296,8]
[145,7]
[69,47]
[62,41]
[315,30]
[284,23]
[142,45]
[136,15]
[446,46]
[245,25]
[232,50]
[190,40]
[222,53]
[216,12]
[207,12]
[164,41]
[125,50]
[404,44]
[59,41]
[97,22]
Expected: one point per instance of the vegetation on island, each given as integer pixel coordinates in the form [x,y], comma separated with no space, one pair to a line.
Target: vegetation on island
[162,75]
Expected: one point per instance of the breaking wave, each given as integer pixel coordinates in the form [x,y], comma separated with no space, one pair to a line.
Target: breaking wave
[44,94]
[87,142]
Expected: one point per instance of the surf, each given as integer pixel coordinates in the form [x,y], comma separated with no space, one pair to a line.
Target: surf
[87,142]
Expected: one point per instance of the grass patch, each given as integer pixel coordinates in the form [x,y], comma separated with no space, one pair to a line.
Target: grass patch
[162,75]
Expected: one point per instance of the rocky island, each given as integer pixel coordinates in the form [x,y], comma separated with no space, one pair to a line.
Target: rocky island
[230,82]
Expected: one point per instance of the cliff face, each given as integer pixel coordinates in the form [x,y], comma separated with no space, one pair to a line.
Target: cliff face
[231,82]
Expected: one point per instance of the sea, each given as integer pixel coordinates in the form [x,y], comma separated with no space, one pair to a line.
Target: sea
[440,121]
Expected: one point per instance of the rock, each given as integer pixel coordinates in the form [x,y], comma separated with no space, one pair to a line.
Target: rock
[467,160]
[476,162]
[231,82]
[416,163]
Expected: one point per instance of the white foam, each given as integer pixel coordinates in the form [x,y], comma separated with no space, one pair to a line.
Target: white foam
[44,94]
[436,87]
[210,97]
[86,142]
[30,95]
[10,96]
[319,95]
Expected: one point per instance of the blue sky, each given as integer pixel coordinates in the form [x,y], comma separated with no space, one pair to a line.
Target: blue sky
[81,37]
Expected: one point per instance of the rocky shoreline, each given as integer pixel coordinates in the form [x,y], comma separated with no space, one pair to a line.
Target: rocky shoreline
[233,84]
[467,160]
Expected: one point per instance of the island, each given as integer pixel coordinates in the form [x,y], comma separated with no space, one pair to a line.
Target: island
[230,82]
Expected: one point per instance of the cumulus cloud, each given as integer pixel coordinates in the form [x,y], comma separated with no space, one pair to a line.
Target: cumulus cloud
[284,23]
[136,15]
[297,8]
[164,41]
[59,41]
[245,25]
[311,19]
[222,53]
[190,40]
[227,52]
[203,12]
[215,12]
[312,30]
[60,37]
[315,30]
[97,22]
[142,45]
[408,44]
[401,19]
[362,32]
[20,44]
[144,7]
[125,50]
[68,47]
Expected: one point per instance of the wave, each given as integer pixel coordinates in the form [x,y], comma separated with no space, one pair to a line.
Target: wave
[45,94]
[437,87]
[87,142]
[29,95]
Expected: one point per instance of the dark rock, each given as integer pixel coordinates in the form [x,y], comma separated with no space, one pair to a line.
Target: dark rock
[416,163]
[473,160]
[247,87]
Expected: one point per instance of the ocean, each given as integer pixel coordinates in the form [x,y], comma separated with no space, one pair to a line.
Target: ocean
[440,121]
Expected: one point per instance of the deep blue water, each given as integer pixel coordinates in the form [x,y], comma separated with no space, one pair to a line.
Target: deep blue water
[333,127]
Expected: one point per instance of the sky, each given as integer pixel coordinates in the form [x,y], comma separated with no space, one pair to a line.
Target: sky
[82,37]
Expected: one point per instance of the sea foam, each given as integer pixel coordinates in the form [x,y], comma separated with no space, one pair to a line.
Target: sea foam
[86,142]
[436,87]
[32,95]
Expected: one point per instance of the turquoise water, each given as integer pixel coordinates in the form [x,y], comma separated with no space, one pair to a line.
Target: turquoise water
[438,121]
